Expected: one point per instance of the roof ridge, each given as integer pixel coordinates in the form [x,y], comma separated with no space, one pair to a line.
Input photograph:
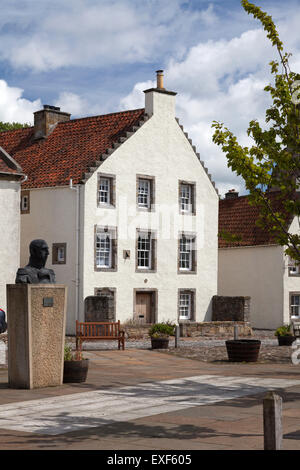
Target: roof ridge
[244,196]
[101,115]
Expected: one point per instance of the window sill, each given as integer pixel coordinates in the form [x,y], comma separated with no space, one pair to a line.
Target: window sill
[105,270]
[186,271]
[102,205]
[146,209]
[181,212]
[145,270]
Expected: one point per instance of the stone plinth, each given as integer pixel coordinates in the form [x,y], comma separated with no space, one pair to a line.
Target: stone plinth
[36,317]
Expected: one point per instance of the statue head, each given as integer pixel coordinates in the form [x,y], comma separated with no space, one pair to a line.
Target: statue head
[39,252]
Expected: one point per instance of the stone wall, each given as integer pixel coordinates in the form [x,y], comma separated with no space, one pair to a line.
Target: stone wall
[225,308]
[223,329]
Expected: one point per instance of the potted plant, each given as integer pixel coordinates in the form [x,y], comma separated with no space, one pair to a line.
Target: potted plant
[159,334]
[285,335]
[75,366]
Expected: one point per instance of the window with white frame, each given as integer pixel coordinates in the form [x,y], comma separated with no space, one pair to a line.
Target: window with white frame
[185,305]
[295,305]
[103,250]
[144,193]
[186,246]
[186,197]
[144,250]
[104,190]
[293,267]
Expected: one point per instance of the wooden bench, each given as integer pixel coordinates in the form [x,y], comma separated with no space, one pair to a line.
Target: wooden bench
[99,331]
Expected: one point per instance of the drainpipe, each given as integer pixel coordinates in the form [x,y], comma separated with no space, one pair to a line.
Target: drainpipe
[77,223]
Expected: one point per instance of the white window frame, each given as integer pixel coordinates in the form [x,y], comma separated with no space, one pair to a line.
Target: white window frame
[293,267]
[144,193]
[294,305]
[104,190]
[103,249]
[185,305]
[186,204]
[188,254]
[141,252]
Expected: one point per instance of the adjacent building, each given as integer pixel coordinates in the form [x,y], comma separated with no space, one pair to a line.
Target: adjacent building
[255,265]
[127,208]
[11,176]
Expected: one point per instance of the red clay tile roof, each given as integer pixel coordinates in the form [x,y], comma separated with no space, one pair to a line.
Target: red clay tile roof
[238,217]
[70,150]
[8,165]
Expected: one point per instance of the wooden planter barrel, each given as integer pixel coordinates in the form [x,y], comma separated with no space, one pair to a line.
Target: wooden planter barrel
[75,371]
[160,343]
[243,350]
[286,340]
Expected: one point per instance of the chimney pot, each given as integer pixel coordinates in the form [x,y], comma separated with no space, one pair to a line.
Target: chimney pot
[231,194]
[160,79]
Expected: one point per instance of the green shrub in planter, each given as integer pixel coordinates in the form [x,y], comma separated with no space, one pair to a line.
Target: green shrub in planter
[285,335]
[159,333]
[284,330]
[163,329]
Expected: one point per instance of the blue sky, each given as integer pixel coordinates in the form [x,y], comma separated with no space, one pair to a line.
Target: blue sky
[97,56]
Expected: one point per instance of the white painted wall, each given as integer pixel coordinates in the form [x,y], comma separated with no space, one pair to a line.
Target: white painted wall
[256,272]
[291,283]
[52,217]
[160,149]
[9,234]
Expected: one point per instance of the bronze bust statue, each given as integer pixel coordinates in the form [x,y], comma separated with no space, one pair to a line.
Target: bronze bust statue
[35,271]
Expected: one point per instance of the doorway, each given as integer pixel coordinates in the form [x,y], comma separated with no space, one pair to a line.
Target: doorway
[145,306]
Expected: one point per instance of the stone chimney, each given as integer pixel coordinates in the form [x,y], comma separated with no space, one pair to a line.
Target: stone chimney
[159,101]
[46,119]
[231,194]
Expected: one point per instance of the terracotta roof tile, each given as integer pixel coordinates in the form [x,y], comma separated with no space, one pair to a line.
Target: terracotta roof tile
[70,150]
[8,165]
[238,217]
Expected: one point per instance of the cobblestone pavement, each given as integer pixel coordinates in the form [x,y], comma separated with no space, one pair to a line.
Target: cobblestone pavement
[202,348]
[205,348]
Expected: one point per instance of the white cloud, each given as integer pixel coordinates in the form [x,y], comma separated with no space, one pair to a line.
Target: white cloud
[14,108]
[54,34]
[72,103]
[222,81]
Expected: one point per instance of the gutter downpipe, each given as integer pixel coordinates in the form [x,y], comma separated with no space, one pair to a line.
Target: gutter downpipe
[77,223]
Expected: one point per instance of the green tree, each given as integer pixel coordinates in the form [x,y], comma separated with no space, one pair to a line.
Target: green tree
[273,159]
[10,126]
